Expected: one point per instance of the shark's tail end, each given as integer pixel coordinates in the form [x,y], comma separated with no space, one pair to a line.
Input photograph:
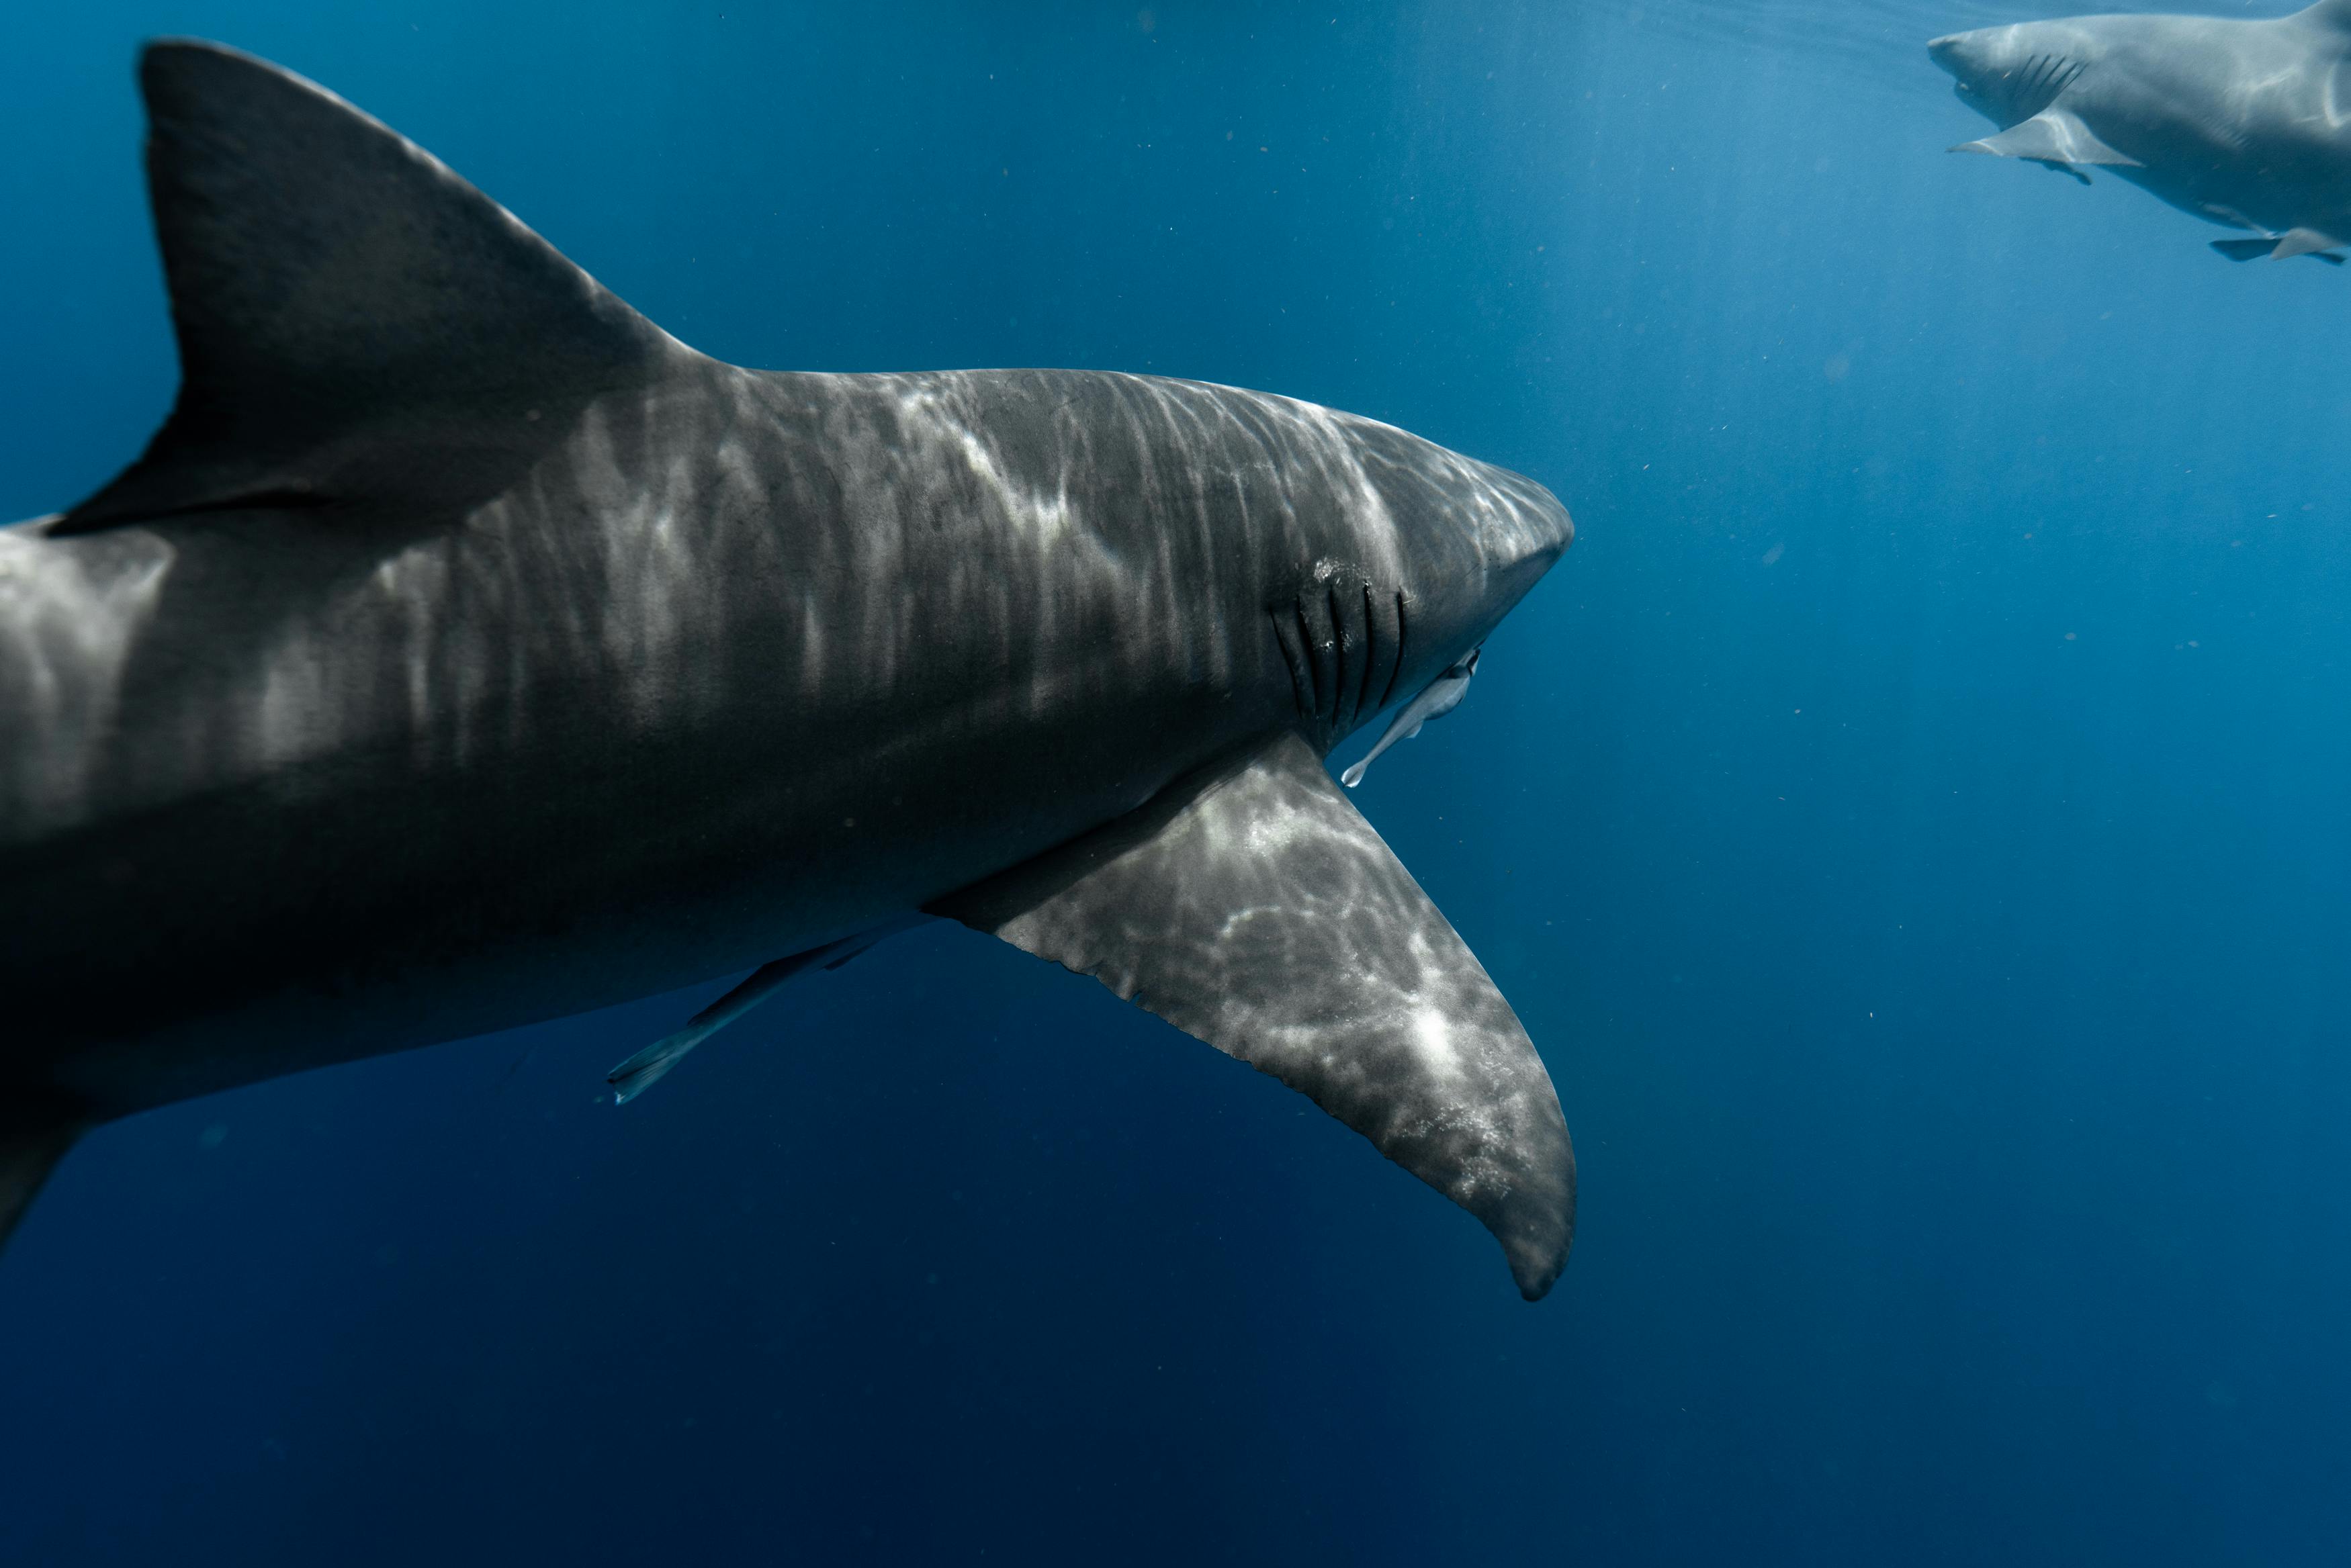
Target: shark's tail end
[338,296]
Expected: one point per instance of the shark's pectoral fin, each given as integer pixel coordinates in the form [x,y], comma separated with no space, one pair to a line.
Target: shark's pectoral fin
[344,304]
[33,1136]
[1253,908]
[2053,136]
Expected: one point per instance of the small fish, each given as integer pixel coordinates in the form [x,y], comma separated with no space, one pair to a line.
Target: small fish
[1443,696]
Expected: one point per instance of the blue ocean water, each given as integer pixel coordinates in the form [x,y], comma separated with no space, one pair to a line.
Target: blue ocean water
[1911,822]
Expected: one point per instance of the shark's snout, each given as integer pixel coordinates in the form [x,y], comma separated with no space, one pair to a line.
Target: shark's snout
[1991,72]
[1955,53]
[1523,528]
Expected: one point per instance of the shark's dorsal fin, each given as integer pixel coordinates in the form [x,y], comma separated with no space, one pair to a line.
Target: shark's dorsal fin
[1252,906]
[2054,136]
[339,295]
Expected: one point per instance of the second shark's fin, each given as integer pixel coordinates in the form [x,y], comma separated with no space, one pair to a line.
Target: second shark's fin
[2054,136]
[2246,250]
[2300,241]
[33,1137]
[646,1069]
[341,298]
[1252,908]
[2284,248]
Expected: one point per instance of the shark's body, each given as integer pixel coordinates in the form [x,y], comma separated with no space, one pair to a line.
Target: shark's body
[2243,122]
[466,651]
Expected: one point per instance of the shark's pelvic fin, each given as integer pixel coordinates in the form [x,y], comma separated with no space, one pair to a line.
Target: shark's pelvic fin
[1252,908]
[342,302]
[33,1136]
[2284,248]
[2054,136]
[644,1070]
[2300,241]
[2246,250]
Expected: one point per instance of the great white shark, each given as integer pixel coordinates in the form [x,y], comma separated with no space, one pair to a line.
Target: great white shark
[464,650]
[2246,122]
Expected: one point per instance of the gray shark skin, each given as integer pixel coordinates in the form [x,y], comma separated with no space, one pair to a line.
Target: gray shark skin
[2243,122]
[466,651]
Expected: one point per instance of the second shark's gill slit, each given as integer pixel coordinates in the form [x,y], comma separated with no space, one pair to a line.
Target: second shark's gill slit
[2043,77]
[1370,655]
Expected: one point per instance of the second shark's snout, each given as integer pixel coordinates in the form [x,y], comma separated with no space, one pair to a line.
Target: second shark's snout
[1949,52]
[1971,59]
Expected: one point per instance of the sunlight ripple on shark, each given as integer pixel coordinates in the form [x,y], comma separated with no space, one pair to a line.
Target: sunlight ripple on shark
[464,650]
[2245,122]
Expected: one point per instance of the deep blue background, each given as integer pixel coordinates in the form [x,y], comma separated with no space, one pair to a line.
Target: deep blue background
[1912,821]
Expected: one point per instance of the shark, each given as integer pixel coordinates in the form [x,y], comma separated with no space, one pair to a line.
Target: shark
[464,650]
[2245,122]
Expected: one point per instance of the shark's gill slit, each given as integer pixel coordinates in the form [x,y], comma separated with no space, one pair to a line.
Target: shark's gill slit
[1339,709]
[1370,653]
[2039,81]
[1302,685]
[1397,671]
[1316,703]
